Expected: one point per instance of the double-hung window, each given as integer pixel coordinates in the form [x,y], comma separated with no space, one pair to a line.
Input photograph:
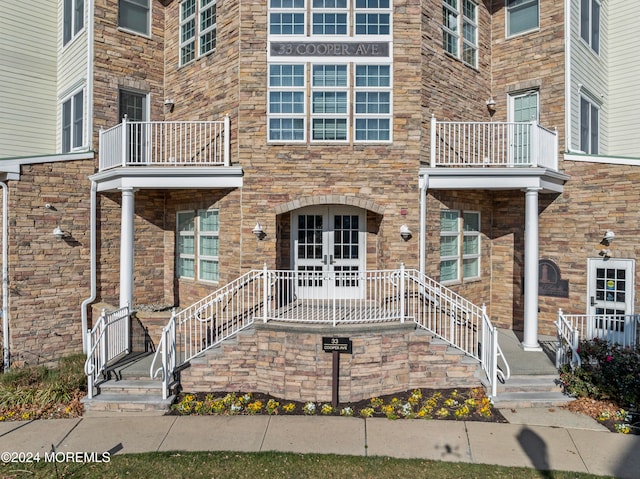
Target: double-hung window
[286,105]
[372,103]
[198,245]
[330,73]
[72,122]
[73,19]
[135,16]
[329,90]
[198,29]
[589,130]
[460,30]
[459,245]
[522,16]
[590,23]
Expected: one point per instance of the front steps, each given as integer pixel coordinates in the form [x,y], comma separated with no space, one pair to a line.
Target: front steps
[534,378]
[528,391]
[128,391]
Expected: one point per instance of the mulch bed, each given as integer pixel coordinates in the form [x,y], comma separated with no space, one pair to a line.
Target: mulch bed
[439,397]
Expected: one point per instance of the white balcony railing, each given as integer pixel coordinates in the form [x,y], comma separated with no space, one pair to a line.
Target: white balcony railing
[165,143]
[505,144]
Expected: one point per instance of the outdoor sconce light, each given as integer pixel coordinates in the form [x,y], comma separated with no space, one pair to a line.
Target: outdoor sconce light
[168,104]
[59,234]
[259,232]
[405,233]
[491,105]
[608,238]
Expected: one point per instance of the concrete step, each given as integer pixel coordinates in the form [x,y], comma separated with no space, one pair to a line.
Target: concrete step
[142,387]
[525,391]
[531,383]
[114,404]
[521,400]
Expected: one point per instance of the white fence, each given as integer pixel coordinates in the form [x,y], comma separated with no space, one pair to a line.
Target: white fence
[482,144]
[329,298]
[168,143]
[106,341]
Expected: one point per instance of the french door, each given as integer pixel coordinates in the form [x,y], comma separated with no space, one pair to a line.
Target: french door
[328,252]
[610,288]
[134,105]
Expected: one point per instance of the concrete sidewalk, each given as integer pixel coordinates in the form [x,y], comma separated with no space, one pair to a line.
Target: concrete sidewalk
[544,439]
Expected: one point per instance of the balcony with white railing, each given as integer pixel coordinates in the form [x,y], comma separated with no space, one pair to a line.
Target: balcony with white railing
[165,143]
[492,144]
[166,154]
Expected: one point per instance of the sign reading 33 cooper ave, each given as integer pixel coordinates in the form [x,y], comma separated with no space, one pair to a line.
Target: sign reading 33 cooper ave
[329,49]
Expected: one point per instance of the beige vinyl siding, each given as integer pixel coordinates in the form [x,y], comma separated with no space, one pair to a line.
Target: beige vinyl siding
[28,46]
[588,76]
[72,72]
[624,72]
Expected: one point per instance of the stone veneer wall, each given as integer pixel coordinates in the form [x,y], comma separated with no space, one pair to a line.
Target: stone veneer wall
[288,362]
[48,277]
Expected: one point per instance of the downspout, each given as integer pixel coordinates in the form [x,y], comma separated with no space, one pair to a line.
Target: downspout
[5,278]
[423,184]
[92,296]
[92,261]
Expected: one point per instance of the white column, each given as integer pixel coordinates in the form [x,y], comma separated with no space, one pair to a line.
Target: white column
[126,248]
[530,339]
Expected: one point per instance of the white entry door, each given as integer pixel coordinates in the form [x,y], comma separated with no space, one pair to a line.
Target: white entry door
[328,251]
[610,288]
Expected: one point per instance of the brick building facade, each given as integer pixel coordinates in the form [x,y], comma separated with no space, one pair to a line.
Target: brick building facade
[484,75]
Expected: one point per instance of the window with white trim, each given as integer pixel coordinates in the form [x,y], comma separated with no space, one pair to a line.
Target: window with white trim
[460,30]
[197,248]
[135,16]
[590,23]
[522,16]
[73,19]
[589,126]
[198,29]
[73,122]
[311,100]
[459,245]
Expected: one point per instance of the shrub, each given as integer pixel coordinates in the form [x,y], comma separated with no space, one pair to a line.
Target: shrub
[608,371]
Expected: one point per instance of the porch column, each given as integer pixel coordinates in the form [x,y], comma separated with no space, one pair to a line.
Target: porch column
[530,339]
[126,248]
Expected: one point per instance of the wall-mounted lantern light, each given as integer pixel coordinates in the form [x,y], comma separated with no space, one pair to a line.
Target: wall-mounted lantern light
[405,233]
[259,232]
[59,234]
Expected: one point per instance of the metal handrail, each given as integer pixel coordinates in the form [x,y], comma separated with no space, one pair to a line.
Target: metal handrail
[102,347]
[384,295]
[166,352]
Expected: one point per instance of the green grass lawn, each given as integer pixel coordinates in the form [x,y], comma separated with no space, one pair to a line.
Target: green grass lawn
[270,465]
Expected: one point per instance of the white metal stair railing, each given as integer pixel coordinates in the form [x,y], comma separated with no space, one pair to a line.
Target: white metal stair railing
[207,323]
[620,329]
[568,339]
[315,297]
[458,321]
[106,341]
